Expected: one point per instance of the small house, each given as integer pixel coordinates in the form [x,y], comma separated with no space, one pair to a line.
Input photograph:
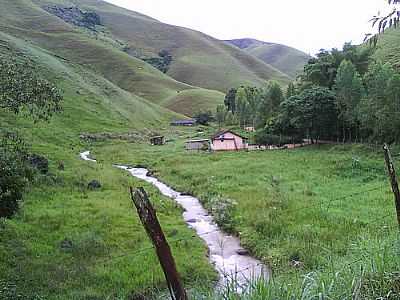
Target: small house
[250,129]
[190,122]
[157,140]
[228,140]
[199,145]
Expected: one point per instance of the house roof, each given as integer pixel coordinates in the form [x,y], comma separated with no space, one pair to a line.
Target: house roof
[197,141]
[192,121]
[222,132]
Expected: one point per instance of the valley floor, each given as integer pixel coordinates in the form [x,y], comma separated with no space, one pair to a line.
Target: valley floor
[322,216]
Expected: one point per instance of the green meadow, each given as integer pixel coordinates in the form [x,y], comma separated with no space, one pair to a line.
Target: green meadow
[314,209]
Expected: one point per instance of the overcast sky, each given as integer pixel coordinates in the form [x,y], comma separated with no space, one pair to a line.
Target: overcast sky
[308,25]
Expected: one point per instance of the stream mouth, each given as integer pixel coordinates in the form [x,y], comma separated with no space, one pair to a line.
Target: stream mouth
[233,263]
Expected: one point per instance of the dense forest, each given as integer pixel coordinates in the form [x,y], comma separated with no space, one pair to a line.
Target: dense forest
[342,95]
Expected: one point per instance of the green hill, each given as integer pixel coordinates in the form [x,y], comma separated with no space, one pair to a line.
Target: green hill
[286,59]
[387,49]
[97,52]
[197,59]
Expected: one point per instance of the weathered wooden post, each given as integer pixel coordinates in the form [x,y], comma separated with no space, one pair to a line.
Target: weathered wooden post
[393,180]
[153,228]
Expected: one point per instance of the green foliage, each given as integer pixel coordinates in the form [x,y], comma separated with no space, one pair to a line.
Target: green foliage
[223,212]
[15,172]
[349,91]
[253,106]
[291,90]
[22,90]
[220,115]
[230,100]
[162,62]
[271,98]
[204,117]
[380,109]
[263,137]
[310,114]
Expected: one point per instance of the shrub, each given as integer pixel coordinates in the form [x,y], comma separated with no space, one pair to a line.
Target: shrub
[264,138]
[204,117]
[15,172]
[223,211]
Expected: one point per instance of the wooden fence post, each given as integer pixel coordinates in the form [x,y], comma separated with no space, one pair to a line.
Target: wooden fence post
[153,228]
[393,180]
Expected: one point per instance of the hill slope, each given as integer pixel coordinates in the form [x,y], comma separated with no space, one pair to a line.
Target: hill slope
[95,51]
[286,59]
[388,47]
[197,59]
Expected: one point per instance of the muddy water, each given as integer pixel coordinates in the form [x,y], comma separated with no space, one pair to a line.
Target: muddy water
[230,260]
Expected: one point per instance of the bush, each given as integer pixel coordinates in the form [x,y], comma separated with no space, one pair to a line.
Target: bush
[222,210]
[204,117]
[15,173]
[264,138]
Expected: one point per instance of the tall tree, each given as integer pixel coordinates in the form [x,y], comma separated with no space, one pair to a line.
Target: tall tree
[377,112]
[242,106]
[349,91]
[220,114]
[270,99]
[230,100]
[291,90]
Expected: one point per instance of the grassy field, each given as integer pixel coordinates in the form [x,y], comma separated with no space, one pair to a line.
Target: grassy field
[317,210]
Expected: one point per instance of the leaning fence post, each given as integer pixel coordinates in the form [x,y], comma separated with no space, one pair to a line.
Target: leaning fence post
[393,180]
[153,228]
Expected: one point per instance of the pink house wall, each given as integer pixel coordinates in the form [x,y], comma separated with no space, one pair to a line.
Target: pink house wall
[231,142]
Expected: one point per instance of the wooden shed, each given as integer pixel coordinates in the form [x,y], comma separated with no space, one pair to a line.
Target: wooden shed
[157,140]
[228,140]
[199,145]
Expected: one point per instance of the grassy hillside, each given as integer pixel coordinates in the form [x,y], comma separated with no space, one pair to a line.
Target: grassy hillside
[185,101]
[100,53]
[388,48]
[198,59]
[286,59]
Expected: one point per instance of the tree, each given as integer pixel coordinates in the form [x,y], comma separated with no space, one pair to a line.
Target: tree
[220,114]
[230,100]
[15,172]
[253,100]
[270,99]
[242,106]
[291,90]
[321,70]
[309,114]
[203,117]
[349,91]
[379,111]
[21,90]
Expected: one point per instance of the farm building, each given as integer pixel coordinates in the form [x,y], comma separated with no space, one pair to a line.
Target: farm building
[228,140]
[198,145]
[250,129]
[157,140]
[190,122]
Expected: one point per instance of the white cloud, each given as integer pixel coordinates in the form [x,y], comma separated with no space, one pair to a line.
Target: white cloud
[308,25]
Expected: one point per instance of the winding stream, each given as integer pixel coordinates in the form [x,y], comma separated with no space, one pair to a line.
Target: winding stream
[231,261]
